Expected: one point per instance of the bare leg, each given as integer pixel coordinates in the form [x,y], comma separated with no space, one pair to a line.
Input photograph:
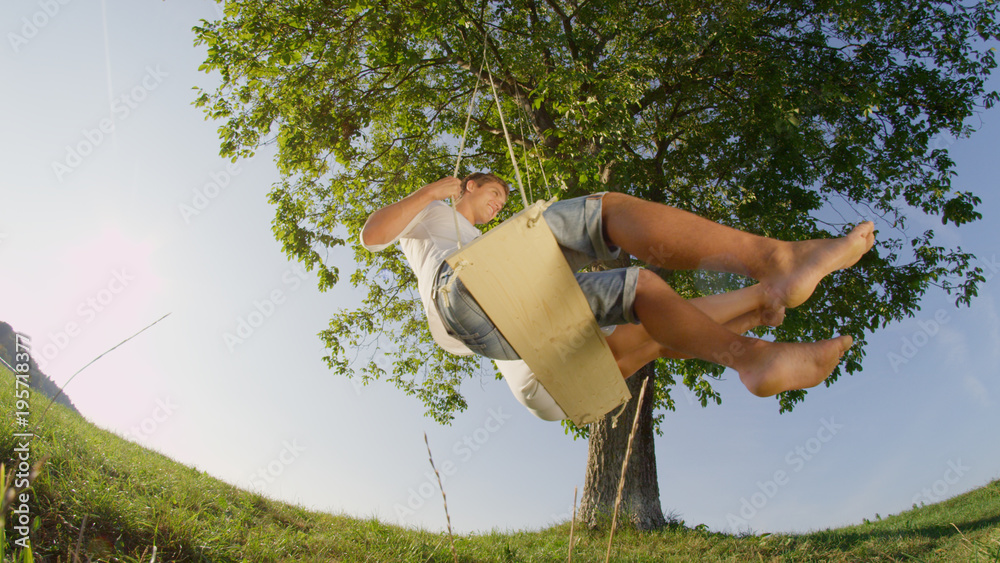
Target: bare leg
[676,239]
[738,311]
[633,347]
[725,307]
[765,368]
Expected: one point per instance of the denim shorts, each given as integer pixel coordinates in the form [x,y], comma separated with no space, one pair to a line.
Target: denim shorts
[577,226]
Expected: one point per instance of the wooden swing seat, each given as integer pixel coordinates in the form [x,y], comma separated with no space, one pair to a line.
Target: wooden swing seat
[520,278]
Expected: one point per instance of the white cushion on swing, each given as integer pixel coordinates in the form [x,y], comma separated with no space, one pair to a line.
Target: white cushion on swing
[519,277]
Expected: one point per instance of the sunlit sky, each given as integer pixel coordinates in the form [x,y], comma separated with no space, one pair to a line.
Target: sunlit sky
[110,218]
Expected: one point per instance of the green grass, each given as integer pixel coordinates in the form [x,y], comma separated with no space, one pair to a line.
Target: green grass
[102,498]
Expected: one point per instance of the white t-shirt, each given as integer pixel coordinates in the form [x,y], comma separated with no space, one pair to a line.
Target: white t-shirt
[426,241]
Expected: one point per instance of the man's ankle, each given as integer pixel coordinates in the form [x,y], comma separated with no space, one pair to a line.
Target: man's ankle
[741,354]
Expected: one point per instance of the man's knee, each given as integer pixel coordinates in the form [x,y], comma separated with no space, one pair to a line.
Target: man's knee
[611,203]
[617,208]
[649,283]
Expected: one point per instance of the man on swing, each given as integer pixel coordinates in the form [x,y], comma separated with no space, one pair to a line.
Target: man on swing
[652,319]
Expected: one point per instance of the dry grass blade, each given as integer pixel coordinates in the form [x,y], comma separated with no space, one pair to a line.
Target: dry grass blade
[9,494]
[621,480]
[79,540]
[434,550]
[979,549]
[571,523]
[451,537]
[63,387]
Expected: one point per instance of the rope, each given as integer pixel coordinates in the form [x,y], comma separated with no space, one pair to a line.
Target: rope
[534,149]
[524,155]
[506,135]
[545,178]
[461,149]
[462,264]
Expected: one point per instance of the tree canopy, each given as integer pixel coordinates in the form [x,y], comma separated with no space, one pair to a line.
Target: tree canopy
[791,119]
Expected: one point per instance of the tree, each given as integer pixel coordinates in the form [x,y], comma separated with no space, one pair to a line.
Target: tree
[789,119]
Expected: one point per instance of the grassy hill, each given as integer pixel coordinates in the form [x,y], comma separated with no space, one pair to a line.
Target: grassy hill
[100,497]
[39,380]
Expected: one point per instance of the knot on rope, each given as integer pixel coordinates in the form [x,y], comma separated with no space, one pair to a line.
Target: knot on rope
[617,415]
[535,211]
[461,265]
[534,214]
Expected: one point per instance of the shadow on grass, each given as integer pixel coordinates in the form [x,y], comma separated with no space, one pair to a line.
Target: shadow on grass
[901,529]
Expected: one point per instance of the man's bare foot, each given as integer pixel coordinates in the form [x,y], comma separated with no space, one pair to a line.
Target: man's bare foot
[783,366]
[800,266]
[764,312]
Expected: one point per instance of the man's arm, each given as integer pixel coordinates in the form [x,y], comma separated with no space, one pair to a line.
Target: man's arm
[387,223]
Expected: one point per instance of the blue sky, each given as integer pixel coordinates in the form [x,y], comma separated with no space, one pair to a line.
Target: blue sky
[116,209]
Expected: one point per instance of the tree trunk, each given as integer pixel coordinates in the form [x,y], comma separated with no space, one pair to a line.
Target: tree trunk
[640,504]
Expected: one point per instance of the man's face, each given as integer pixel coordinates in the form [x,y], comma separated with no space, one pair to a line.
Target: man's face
[485,201]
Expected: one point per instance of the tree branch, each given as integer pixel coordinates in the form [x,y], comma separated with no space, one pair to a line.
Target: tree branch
[514,138]
[567,24]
